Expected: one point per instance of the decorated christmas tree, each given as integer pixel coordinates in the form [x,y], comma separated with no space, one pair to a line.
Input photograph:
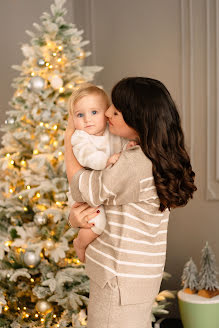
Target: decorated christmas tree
[208,284]
[42,282]
[190,277]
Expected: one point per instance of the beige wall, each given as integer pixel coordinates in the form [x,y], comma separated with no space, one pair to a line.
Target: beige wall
[172,40]
[169,40]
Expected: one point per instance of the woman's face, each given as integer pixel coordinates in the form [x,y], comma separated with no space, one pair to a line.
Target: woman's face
[118,126]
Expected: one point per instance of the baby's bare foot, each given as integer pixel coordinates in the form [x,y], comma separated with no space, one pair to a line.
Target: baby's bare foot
[80,251]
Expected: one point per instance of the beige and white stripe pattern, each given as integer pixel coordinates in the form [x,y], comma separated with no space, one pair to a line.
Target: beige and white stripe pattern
[133,244]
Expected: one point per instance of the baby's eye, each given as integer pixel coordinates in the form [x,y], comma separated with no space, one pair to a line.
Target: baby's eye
[94,112]
[115,113]
[79,115]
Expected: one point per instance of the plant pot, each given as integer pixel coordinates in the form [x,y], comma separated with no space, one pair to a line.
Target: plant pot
[197,311]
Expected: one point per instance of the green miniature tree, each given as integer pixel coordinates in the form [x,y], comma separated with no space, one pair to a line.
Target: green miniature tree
[190,277]
[208,274]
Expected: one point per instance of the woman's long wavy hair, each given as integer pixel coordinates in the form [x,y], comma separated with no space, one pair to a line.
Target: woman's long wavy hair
[147,107]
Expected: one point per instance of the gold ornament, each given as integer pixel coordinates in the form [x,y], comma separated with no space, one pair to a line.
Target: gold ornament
[79,80]
[49,244]
[81,55]
[61,102]
[44,307]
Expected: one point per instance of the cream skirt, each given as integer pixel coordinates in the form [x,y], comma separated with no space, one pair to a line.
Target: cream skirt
[106,311]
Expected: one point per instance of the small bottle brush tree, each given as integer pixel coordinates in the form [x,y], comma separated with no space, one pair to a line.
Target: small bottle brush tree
[205,282]
[190,277]
[208,285]
[200,309]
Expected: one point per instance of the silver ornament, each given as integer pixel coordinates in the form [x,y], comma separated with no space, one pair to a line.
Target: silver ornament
[61,197]
[39,219]
[40,62]
[37,83]
[44,138]
[43,306]
[10,120]
[56,82]
[31,259]
[49,244]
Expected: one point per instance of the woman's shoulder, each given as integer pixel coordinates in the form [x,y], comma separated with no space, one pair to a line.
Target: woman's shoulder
[135,156]
[136,153]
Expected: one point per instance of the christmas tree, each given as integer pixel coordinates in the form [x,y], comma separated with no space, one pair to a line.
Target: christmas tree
[208,273]
[42,282]
[190,277]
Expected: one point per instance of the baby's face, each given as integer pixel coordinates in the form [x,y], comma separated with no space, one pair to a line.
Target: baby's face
[89,114]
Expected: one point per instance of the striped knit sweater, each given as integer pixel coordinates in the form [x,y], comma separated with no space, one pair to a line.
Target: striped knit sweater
[133,244]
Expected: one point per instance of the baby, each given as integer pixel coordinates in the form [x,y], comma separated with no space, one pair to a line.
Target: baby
[94,147]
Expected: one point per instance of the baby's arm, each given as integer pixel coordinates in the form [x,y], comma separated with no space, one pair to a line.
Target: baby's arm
[113,159]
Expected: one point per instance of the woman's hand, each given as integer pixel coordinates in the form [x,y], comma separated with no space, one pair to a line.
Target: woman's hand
[70,129]
[80,214]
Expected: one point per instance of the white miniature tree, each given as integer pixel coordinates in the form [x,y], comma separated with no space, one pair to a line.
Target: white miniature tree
[190,276]
[208,274]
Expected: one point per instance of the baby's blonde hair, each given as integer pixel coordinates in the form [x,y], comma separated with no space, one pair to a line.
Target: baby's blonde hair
[85,90]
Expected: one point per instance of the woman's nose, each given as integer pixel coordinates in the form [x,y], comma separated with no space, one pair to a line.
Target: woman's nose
[107,112]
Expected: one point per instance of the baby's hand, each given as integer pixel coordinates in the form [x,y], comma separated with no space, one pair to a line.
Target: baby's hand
[131,144]
[113,159]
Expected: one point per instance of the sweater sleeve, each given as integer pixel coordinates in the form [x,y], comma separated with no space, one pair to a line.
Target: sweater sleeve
[116,185]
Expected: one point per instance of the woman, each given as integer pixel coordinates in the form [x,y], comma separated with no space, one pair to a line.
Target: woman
[125,263]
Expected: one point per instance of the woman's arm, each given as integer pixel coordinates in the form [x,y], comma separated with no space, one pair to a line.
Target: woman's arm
[116,185]
[71,163]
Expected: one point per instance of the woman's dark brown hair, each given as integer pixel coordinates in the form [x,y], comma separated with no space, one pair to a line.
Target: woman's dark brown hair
[147,107]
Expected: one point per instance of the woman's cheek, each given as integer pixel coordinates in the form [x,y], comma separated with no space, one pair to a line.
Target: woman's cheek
[111,128]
